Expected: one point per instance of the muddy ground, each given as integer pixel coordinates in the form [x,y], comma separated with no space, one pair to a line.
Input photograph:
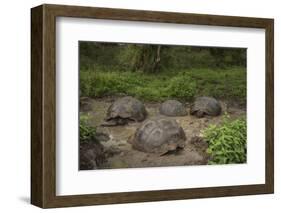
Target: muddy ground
[119,153]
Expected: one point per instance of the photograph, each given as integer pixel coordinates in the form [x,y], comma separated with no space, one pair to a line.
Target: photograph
[170,105]
[154,105]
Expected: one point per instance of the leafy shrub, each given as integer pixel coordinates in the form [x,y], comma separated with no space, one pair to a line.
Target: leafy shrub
[181,86]
[227,142]
[227,84]
[98,84]
[86,132]
[85,83]
[145,93]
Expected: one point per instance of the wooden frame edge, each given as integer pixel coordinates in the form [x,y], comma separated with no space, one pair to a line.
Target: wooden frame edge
[36,106]
[43,180]
[269,118]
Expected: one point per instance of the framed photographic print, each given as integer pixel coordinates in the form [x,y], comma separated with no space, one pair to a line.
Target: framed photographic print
[136,106]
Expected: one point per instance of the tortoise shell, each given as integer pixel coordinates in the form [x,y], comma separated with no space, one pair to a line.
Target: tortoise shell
[172,108]
[205,106]
[158,135]
[126,109]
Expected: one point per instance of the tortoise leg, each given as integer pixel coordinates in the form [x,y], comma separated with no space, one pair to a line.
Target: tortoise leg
[109,123]
[200,114]
[121,121]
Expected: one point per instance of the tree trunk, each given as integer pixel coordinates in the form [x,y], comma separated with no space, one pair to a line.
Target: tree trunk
[149,57]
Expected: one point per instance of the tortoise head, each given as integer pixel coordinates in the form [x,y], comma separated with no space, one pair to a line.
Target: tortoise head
[200,114]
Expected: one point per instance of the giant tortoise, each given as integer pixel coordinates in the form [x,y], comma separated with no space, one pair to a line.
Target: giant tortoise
[205,106]
[158,135]
[172,108]
[124,110]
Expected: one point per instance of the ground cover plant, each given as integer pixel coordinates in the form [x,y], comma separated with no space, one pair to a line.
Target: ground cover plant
[227,142]
[87,132]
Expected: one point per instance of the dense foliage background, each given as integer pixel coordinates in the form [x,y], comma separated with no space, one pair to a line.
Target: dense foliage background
[158,72]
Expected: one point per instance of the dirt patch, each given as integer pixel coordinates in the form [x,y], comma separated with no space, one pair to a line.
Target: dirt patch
[119,153]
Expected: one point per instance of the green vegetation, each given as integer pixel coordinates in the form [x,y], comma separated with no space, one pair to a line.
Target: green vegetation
[86,132]
[227,142]
[157,58]
[227,84]
[159,72]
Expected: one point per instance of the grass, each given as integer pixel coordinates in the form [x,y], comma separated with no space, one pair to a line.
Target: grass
[183,85]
